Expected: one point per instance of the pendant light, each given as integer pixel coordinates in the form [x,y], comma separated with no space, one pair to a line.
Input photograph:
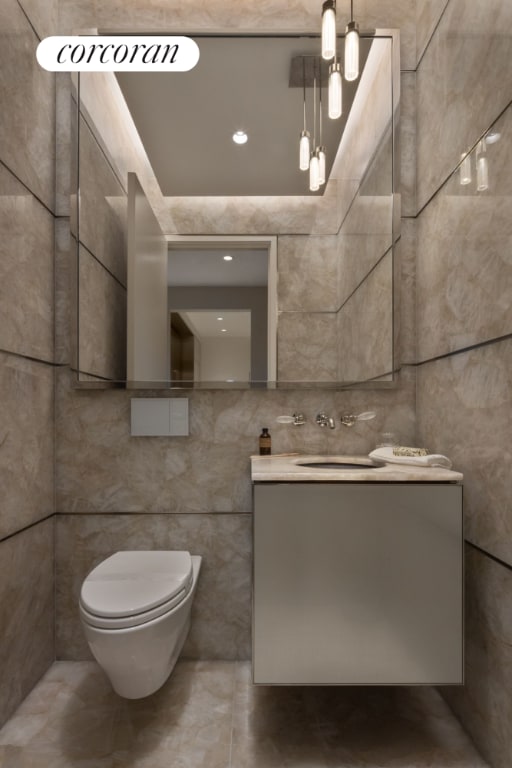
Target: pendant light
[304,145]
[482,167]
[465,169]
[321,149]
[314,162]
[328,29]
[352,47]
[335,95]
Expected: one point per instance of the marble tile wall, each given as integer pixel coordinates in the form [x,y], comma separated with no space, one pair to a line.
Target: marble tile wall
[26,612]
[464,325]
[27,220]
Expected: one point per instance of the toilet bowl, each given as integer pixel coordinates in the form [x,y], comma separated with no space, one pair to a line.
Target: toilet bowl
[135,611]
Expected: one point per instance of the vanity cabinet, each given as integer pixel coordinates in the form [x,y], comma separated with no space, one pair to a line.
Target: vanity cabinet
[358,583]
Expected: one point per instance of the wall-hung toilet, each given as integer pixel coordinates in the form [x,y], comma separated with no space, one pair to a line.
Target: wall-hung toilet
[135,610]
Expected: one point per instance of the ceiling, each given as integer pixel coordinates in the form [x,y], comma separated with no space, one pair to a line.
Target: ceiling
[206,266]
[186,119]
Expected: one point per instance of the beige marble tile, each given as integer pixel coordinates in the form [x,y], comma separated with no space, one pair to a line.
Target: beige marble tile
[26,271]
[208,715]
[464,411]
[457,95]
[66,120]
[365,327]
[102,320]
[307,274]
[26,613]
[27,141]
[305,346]
[65,293]
[187,722]
[405,295]
[317,727]
[407,143]
[358,254]
[26,442]
[484,705]
[428,13]
[464,272]
[250,215]
[43,15]
[102,207]
[221,613]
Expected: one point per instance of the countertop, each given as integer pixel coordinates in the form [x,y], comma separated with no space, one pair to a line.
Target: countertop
[285,468]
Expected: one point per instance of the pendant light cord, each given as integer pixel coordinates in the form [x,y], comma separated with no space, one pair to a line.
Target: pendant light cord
[304,88]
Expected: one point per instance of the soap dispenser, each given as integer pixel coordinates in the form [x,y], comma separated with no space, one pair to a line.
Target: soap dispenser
[265,442]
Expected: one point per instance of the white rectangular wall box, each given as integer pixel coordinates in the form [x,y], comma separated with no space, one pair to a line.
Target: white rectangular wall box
[159,417]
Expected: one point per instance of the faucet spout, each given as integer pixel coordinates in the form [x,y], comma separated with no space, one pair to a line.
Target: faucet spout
[325,421]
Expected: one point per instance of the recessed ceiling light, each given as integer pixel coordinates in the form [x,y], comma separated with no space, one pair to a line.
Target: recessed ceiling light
[227,258]
[224,330]
[240,137]
[220,318]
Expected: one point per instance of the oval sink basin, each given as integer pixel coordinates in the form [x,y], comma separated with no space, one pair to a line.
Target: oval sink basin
[333,464]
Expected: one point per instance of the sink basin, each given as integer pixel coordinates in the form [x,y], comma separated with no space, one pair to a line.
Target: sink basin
[334,463]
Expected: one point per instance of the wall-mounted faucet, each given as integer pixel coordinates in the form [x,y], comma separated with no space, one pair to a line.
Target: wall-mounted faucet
[325,421]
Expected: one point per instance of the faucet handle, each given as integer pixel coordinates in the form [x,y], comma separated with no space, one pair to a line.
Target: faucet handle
[297,419]
[348,420]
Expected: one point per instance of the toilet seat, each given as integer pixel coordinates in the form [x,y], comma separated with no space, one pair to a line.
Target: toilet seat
[132,588]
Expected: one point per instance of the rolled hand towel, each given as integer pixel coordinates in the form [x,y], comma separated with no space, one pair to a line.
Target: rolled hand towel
[387,455]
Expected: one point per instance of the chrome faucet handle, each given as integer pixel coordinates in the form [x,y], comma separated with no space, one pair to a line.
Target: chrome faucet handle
[349,419]
[325,421]
[297,419]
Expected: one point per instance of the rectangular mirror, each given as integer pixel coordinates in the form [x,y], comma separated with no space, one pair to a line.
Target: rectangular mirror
[163,194]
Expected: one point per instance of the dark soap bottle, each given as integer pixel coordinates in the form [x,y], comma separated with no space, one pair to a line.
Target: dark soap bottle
[265,442]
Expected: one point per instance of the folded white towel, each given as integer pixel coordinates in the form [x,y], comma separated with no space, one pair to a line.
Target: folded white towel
[386,455]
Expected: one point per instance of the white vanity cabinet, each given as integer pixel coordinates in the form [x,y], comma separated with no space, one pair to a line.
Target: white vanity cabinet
[358,583]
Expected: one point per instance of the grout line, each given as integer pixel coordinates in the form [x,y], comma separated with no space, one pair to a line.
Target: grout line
[462,350]
[26,527]
[29,190]
[431,36]
[32,359]
[488,554]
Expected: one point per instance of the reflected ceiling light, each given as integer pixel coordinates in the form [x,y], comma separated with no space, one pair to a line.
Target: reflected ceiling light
[240,137]
[482,167]
[223,330]
[314,162]
[304,147]
[335,91]
[328,29]
[220,318]
[465,168]
[314,171]
[352,47]
[227,258]
[492,137]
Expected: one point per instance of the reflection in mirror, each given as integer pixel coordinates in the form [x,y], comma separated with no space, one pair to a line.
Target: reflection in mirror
[330,319]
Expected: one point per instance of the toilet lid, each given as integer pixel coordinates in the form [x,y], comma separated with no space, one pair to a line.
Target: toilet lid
[128,583]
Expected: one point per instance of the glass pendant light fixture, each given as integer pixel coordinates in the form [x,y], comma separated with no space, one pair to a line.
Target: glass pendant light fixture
[304,145]
[465,169]
[321,149]
[335,91]
[328,29]
[314,162]
[352,47]
[482,167]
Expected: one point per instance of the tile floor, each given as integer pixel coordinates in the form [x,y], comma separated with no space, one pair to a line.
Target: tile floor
[208,715]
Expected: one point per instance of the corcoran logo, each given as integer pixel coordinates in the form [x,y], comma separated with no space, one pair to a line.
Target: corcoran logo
[113,53]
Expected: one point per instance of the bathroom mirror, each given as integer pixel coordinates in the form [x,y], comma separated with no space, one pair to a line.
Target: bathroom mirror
[325,260]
